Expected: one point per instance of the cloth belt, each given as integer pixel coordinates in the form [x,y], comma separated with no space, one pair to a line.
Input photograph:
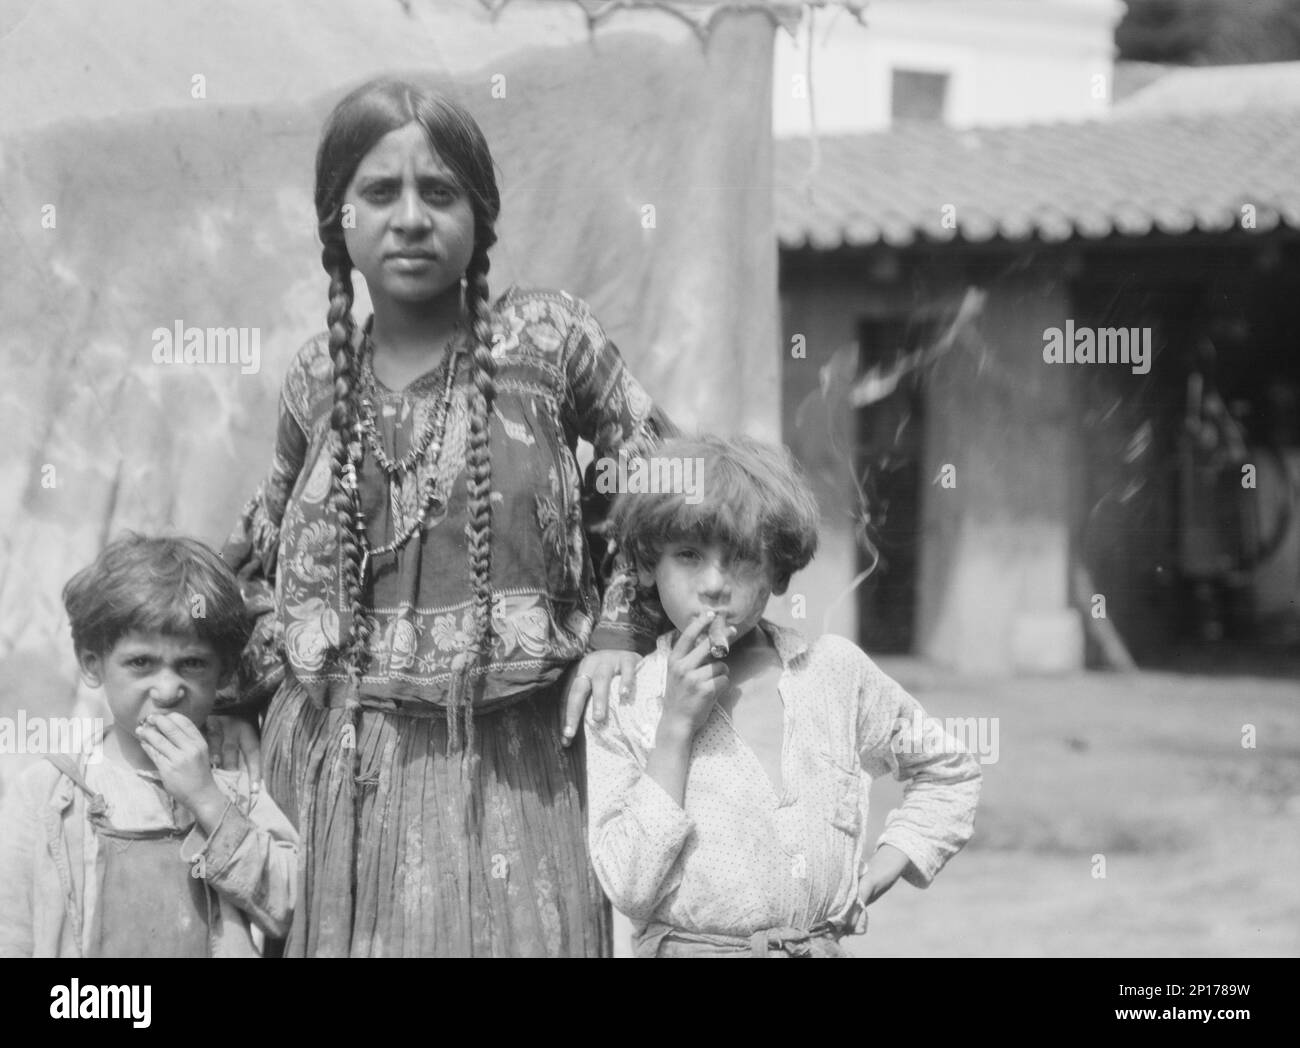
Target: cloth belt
[662,940]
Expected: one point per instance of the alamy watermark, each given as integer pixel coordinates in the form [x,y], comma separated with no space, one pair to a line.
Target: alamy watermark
[47,736]
[1086,345]
[215,345]
[932,735]
[93,1001]
[651,475]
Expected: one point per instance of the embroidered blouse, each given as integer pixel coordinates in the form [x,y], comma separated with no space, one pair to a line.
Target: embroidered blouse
[739,858]
[558,378]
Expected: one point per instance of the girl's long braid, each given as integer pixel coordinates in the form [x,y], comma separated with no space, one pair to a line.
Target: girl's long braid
[346,500]
[357,123]
[479,484]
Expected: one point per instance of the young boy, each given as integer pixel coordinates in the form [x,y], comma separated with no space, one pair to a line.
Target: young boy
[728,797]
[147,852]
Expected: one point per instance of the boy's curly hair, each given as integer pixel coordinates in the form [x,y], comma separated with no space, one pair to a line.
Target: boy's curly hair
[753,498]
[176,586]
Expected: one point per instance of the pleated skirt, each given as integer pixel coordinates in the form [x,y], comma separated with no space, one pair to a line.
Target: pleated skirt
[424,854]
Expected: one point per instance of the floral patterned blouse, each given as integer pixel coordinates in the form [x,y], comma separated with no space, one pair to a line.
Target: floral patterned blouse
[558,378]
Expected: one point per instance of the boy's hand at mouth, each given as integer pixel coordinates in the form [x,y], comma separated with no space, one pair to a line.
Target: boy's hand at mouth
[180,753]
[232,739]
[694,680]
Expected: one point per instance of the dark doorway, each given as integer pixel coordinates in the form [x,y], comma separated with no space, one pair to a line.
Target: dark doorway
[1192,516]
[889,456]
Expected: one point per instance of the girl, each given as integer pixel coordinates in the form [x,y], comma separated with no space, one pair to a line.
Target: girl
[422,528]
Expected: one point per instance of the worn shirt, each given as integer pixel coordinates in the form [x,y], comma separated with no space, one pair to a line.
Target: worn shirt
[558,378]
[742,856]
[49,880]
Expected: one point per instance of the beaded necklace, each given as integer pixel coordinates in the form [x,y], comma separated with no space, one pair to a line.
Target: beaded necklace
[429,441]
[432,422]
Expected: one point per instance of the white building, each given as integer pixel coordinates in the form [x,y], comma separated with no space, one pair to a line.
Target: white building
[964,62]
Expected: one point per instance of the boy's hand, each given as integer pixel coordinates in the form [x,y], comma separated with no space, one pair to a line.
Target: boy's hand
[885,867]
[231,738]
[694,679]
[180,753]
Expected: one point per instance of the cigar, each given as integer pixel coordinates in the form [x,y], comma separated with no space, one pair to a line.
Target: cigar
[718,646]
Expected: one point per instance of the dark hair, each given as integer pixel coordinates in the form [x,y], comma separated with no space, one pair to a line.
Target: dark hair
[166,585]
[357,123]
[753,499]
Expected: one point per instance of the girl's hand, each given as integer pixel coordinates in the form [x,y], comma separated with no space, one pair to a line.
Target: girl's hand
[885,867]
[592,680]
[694,679]
[180,753]
[229,739]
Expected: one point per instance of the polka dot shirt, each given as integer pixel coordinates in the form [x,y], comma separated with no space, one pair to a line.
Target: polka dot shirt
[738,857]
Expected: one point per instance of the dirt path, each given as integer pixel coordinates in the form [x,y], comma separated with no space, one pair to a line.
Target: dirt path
[1200,835]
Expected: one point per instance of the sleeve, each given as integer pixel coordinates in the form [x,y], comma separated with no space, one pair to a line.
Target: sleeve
[636,831]
[252,860]
[941,778]
[20,835]
[610,410]
[253,545]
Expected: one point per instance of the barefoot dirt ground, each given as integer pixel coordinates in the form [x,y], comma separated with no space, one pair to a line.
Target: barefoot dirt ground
[1200,835]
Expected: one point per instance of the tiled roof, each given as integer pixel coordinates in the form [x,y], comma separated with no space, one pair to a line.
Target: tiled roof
[1130,78]
[1198,90]
[1131,177]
